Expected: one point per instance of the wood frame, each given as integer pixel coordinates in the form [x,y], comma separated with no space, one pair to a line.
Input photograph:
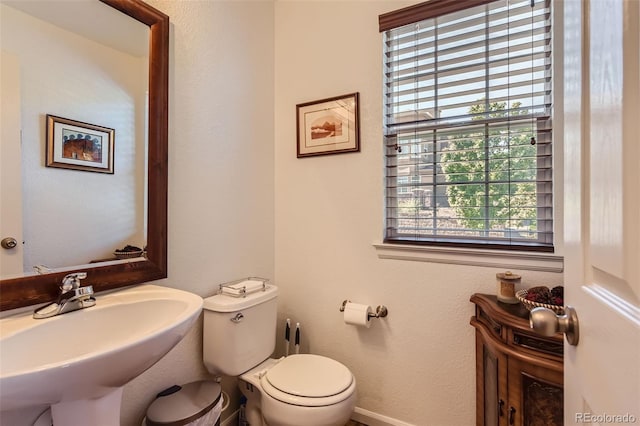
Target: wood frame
[30,290]
[426,10]
[503,331]
[328,126]
[76,145]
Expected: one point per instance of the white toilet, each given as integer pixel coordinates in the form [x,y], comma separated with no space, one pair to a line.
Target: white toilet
[239,337]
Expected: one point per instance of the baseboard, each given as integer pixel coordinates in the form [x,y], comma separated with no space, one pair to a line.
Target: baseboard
[359,414]
[231,420]
[374,419]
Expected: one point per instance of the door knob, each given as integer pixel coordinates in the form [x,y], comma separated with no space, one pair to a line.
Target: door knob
[547,323]
[8,243]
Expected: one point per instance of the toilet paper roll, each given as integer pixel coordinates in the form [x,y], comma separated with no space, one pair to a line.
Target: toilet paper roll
[357,314]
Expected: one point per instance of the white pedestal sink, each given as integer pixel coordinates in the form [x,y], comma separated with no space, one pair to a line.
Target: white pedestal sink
[78,362]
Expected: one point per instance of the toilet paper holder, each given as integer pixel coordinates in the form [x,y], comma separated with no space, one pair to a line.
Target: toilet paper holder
[381,310]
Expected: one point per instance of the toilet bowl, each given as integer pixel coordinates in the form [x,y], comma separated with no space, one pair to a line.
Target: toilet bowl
[312,389]
[301,389]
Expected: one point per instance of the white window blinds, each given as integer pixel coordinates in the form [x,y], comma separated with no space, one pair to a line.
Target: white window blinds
[467,124]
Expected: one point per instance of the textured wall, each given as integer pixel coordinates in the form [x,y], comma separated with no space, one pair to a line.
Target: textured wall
[220,167]
[417,365]
[226,218]
[221,196]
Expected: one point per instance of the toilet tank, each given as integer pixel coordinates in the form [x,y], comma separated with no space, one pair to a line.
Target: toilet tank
[239,332]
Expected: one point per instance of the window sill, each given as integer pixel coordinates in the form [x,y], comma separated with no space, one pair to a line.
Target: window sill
[528,261]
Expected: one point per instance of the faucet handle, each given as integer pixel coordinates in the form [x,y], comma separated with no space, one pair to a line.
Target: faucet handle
[71,281]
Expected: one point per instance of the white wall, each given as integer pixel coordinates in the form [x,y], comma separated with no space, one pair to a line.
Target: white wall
[418,364]
[221,171]
[312,229]
[70,76]
[221,194]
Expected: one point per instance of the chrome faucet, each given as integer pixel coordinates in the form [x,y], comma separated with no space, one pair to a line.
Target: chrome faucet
[72,297]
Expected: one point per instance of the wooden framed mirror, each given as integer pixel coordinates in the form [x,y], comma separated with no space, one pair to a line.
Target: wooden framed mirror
[34,289]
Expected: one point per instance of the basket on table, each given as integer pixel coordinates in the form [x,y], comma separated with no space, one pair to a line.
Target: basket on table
[521,295]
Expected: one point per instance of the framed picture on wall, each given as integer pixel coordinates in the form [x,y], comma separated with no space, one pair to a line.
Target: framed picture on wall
[328,126]
[79,146]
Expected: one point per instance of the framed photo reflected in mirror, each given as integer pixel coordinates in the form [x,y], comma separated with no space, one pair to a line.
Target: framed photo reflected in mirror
[76,145]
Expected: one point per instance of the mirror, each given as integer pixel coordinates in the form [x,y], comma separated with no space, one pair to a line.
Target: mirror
[29,290]
[64,73]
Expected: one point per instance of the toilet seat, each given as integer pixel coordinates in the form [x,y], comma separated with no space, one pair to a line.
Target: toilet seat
[308,380]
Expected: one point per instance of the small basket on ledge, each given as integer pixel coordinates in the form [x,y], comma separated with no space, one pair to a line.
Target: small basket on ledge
[521,295]
[128,252]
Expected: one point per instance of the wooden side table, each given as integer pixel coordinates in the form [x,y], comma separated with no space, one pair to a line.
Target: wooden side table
[519,374]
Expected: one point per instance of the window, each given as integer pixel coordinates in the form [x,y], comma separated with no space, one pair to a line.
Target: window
[467,124]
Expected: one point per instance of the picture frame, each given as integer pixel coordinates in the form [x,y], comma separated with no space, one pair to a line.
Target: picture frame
[328,126]
[77,145]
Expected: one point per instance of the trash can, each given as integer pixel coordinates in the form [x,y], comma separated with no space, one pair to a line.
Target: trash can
[194,404]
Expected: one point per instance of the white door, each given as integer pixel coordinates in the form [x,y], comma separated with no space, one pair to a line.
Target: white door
[602,209]
[10,165]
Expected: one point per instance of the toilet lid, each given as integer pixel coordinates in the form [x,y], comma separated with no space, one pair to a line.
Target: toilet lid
[309,376]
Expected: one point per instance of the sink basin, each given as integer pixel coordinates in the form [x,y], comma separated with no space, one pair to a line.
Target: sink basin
[78,362]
